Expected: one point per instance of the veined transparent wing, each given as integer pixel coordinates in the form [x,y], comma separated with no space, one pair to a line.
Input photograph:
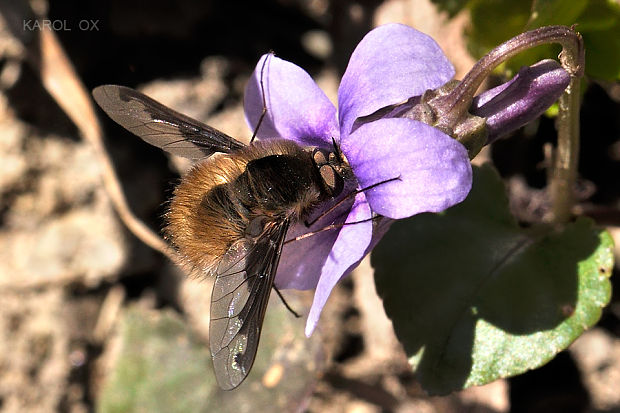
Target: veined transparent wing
[161,126]
[243,283]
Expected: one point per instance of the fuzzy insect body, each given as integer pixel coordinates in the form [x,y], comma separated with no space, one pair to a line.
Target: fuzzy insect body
[230,214]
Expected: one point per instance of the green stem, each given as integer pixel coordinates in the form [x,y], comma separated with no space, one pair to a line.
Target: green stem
[566,158]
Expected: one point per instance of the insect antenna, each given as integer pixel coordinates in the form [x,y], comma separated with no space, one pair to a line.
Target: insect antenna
[337,150]
[262,92]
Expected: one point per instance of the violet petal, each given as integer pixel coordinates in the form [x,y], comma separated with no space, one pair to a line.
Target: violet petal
[349,248]
[297,109]
[391,64]
[380,228]
[522,99]
[433,170]
[302,260]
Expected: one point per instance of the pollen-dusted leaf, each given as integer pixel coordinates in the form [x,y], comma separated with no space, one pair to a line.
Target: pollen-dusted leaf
[160,366]
[474,298]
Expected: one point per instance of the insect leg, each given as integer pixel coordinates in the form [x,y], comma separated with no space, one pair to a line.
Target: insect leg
[330,227]
[350,195]
[288,307]
[262,92]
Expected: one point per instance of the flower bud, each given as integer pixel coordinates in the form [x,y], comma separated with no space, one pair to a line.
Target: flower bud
[522,99]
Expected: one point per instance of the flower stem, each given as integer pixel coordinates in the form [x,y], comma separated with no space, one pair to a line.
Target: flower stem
[456,103]
[564,168]
[452,106]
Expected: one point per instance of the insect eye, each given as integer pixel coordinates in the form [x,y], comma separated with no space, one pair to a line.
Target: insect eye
[332,180]
[320,157]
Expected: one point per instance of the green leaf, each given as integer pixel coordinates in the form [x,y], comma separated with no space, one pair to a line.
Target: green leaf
[495,21]
[600,15]
[600,26]
[473,297]
[160,366]
[450,6]
[603,53]
[548,12]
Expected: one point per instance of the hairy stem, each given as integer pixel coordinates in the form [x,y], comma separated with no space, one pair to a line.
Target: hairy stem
[456,103]
[564,168]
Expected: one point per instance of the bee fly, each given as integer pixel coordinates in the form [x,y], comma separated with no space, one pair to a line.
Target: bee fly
[230,214]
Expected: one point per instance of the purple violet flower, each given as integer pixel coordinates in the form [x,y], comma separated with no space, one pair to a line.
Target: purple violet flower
[391,64]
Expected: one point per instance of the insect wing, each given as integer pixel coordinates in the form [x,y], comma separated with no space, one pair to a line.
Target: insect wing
[241,291]
[161,126]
